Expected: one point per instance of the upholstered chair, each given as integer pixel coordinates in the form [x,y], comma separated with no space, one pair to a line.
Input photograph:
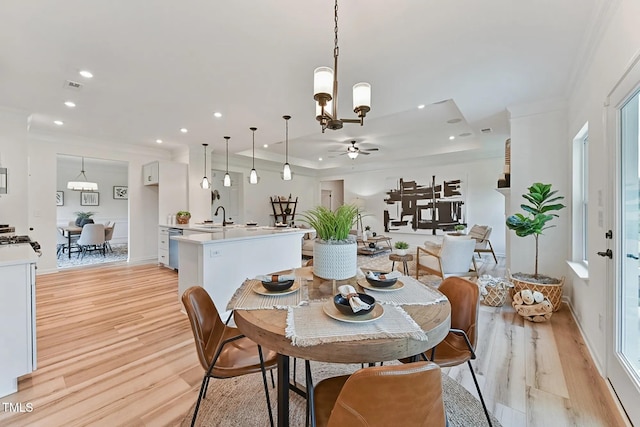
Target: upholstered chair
[481,233]
[453,258]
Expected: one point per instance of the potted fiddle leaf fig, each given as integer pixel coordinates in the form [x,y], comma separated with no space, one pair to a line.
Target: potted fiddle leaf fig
[335,249]
[543,202]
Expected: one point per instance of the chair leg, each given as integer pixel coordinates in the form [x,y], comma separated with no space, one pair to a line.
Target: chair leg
[493,253]
[200,396]
[311,414]
[484,406]
[206,387]
[266,387]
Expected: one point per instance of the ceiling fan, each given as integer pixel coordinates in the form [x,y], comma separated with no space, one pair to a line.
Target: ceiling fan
[353,151]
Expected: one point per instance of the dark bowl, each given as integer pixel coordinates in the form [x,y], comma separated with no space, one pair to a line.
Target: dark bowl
[381,283]
[342,304]
[278,286]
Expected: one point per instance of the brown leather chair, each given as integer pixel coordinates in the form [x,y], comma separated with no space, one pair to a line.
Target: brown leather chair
[406,395]
[458,346]
[222,350]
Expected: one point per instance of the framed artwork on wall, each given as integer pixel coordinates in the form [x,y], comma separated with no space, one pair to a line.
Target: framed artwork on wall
[89,198]
[59,198]
[120,192]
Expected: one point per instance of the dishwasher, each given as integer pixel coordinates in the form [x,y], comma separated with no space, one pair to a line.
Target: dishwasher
[173,247]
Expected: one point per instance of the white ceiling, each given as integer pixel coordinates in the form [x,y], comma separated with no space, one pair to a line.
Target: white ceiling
[164,64]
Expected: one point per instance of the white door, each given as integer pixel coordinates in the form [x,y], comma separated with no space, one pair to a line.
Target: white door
[325,199]
[623,344]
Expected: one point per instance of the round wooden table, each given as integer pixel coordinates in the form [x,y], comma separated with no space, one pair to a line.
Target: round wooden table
[267,328]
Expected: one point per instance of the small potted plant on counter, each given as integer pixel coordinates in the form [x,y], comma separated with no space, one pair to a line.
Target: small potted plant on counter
[401,248]
[183,217]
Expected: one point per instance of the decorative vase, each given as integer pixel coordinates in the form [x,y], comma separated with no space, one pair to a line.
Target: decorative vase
[365,235]
[401,252]
[182,219]
[335,260]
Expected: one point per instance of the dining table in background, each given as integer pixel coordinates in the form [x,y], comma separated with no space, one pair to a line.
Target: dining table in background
[73,230]
[267,328]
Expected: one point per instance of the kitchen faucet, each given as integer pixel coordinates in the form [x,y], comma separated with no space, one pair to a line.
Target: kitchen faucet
[224,215]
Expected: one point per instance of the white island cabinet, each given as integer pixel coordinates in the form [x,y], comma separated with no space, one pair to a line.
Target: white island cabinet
[17,314]
[221,260]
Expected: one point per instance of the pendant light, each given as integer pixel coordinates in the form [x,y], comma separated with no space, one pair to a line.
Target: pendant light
[84,185]
[227,178]
[286,170]
[205,184]
[253,176]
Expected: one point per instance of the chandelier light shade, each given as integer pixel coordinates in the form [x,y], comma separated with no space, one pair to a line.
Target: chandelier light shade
[84,184]
[253,175]
[205,184]
[286,170]
[227,178]
[325,91]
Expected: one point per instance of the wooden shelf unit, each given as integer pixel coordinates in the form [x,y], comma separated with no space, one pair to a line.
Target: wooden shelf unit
[280,208]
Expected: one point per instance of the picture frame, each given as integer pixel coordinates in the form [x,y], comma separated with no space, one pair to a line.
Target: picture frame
[89,198]
[59,198]
[120,192]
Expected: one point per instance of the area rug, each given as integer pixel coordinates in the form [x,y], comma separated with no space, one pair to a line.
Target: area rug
[241,402]
[120,253]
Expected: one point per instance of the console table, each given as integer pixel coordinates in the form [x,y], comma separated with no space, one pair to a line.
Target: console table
[364,249]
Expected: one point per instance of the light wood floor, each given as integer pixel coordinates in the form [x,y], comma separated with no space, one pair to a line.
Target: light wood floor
[114,349]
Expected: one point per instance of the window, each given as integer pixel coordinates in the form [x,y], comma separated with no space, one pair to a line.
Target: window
[581,195]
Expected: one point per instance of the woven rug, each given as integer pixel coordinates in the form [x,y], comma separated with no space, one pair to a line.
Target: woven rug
[120,253]
[241,402]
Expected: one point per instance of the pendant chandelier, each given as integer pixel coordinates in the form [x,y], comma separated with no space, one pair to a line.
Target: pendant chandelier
[286,170]
[205,181]
[84,185]
[253,175]
[325,91]
[227,178]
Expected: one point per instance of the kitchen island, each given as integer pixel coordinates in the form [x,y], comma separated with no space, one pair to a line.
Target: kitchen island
[221,259]
[17,314]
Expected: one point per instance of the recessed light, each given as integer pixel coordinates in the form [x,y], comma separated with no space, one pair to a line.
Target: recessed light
[452,121]
[320,159]
[266,145]
[184,130]
[159,141]
[451,138]
[70,104]
[58,122]
[421,106]
[217,115]
[86,74]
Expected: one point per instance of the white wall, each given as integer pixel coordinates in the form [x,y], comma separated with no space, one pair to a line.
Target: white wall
[13,156]
[483,204]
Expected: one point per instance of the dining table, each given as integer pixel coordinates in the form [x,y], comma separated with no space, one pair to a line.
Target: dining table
[73,230]
[413,317]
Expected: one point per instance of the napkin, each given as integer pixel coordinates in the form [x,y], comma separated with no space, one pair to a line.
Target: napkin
[349,292]
[275,277]
[387,276]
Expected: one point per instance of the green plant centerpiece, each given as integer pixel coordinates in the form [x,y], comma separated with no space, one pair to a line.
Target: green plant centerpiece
[83,218]
[459,228]
[335,254]
[542,202]
[401,247]
[183,217]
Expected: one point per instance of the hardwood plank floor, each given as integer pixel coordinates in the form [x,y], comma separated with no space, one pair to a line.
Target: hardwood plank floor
[114,349]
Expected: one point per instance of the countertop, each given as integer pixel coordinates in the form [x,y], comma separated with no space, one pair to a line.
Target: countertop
[217,234]
[20,253]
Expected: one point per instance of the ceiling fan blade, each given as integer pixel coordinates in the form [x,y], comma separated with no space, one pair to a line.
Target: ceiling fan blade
[363,153]
[369,149]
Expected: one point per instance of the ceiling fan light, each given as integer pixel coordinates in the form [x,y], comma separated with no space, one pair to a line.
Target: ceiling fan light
[227,180]
[286,172]
[361,96]
[352,154]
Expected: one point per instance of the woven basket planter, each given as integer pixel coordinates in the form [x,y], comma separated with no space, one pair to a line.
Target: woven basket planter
[551,291]
[337,261]
[496,296]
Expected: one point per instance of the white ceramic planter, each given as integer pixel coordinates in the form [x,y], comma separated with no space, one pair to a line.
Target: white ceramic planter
[335,260]
[401,252]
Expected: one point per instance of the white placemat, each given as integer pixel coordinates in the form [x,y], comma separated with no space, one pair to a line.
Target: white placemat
[308,325]
[246,299]
[413,293]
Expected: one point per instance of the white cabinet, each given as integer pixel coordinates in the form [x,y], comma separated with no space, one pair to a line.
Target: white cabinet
[17,316]
[163,246]
[151,173]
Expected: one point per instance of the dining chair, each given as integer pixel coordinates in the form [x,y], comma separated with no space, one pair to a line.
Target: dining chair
[481,234]
[222,350]
[459,345]
[91,238]
[453,258]
[407,395]
[108,235]
[61,242]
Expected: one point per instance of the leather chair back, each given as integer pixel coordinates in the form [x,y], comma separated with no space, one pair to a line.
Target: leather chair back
[464,297]
[406,395]
[206,325]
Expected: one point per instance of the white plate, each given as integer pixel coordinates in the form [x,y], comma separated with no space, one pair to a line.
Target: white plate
[396,286]
[261,290]
[330,310]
